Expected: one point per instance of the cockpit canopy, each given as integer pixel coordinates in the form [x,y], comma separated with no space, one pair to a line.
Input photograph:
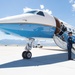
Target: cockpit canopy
[33,12]
[36,12]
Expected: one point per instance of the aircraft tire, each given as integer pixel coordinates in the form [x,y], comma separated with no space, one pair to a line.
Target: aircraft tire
[26,55]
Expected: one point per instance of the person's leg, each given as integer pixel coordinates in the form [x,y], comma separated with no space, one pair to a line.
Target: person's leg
[69,53]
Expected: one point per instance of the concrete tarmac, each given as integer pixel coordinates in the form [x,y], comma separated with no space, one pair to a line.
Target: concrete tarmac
[45,61]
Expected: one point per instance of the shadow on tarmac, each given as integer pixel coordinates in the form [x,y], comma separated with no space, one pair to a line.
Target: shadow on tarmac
[37,61]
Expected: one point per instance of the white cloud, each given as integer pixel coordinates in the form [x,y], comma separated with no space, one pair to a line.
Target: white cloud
[71,1]
[42,6]
[26,9]
[73,7]
[48,11]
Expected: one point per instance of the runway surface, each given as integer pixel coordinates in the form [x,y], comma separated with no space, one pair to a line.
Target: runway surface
[45,61]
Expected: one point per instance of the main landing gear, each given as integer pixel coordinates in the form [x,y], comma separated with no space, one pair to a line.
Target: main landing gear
[27,54]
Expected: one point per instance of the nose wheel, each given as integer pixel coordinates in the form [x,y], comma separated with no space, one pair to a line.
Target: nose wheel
[26,55]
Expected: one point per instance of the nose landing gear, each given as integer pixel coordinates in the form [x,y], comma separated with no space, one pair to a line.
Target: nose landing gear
[27,54]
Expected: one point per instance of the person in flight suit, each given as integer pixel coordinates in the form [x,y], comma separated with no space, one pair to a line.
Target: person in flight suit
[69,45]
[62,29]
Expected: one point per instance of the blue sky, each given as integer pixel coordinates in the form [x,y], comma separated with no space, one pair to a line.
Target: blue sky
[63,9]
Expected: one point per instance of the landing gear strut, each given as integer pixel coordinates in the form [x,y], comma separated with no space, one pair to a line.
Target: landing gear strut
[27,54]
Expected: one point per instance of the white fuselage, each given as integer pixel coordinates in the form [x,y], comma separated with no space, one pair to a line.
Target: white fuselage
[37,24]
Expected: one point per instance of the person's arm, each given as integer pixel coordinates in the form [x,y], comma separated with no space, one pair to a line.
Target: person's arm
[73,41]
